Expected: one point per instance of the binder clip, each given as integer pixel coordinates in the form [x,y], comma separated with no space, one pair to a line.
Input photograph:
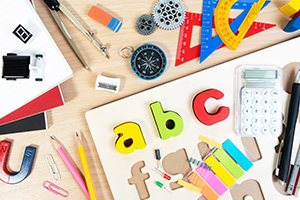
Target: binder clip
[26,166]
[15,67]
[106,83]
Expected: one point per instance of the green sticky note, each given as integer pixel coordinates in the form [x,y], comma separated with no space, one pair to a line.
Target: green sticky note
[230,165]
[220,171]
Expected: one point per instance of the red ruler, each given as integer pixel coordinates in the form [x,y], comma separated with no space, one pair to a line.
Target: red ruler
[187,53]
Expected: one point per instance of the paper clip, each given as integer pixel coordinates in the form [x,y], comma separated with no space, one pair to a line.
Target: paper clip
[53,168]
[55,189]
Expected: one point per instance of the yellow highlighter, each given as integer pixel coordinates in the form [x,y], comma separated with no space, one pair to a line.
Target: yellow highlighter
[86,170]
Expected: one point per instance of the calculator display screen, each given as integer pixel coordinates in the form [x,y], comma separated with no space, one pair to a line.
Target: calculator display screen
[260,74]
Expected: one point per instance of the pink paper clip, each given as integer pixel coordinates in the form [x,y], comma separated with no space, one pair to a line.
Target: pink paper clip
[55,189]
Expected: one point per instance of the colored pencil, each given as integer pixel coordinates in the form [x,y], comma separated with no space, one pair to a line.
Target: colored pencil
[70,166]
[86,169]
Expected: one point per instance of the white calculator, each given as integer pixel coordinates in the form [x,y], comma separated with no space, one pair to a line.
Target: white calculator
[259,101]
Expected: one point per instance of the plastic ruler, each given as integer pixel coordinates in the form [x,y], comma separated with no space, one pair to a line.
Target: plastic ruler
[206,31]
[209,44]
[295,175]
[231,39]
[187,53]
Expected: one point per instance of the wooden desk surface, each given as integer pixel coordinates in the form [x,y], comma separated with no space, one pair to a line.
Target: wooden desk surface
[80,95]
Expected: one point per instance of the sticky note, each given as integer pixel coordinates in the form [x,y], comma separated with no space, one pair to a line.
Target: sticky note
[237,155]
[220,171]
[105,18]
[206,190]
[209,141]
[188,185]
[214,182]
[227,162]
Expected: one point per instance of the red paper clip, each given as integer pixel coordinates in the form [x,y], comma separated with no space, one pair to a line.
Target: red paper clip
[56,190]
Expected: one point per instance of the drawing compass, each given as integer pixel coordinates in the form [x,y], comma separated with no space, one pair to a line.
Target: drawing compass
[148,61]
[55,6]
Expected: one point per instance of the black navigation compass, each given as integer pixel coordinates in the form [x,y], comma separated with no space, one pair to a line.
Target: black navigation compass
[148,61]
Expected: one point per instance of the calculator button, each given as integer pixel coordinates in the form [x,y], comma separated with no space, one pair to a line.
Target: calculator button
[265,92]
[265,120]
[274,111]
[246,102]
[246,120]
[246,130]
[264,130]
[260,111]
[265,102]
[274,102]
[274,93]
[255,120]
[255,102]
[255,111]
[255,92]
[246,111]
[255,130]
[246,92]
[274,130]
[264,111]
[274,121]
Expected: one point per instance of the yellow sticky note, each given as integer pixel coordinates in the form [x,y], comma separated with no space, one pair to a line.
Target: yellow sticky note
[189,186]
[220,171]
[209,141]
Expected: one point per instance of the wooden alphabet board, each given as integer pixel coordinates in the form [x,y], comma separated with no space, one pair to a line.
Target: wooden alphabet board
[177,96]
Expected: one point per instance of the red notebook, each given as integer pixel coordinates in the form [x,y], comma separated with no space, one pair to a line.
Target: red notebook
[49,100]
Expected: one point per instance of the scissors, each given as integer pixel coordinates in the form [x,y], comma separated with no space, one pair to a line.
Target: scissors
[55,6]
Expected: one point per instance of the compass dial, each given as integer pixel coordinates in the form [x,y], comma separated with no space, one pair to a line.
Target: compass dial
[148,61]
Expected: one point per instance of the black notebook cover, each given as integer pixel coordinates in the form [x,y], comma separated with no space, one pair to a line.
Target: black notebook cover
[31,123]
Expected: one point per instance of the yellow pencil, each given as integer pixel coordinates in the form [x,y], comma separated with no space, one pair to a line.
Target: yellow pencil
[86,170]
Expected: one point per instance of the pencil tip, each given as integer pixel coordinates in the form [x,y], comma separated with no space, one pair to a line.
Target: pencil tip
[52,137]
[76,134]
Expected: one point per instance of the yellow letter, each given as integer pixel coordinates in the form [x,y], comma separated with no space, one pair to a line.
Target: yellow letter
[130,138]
